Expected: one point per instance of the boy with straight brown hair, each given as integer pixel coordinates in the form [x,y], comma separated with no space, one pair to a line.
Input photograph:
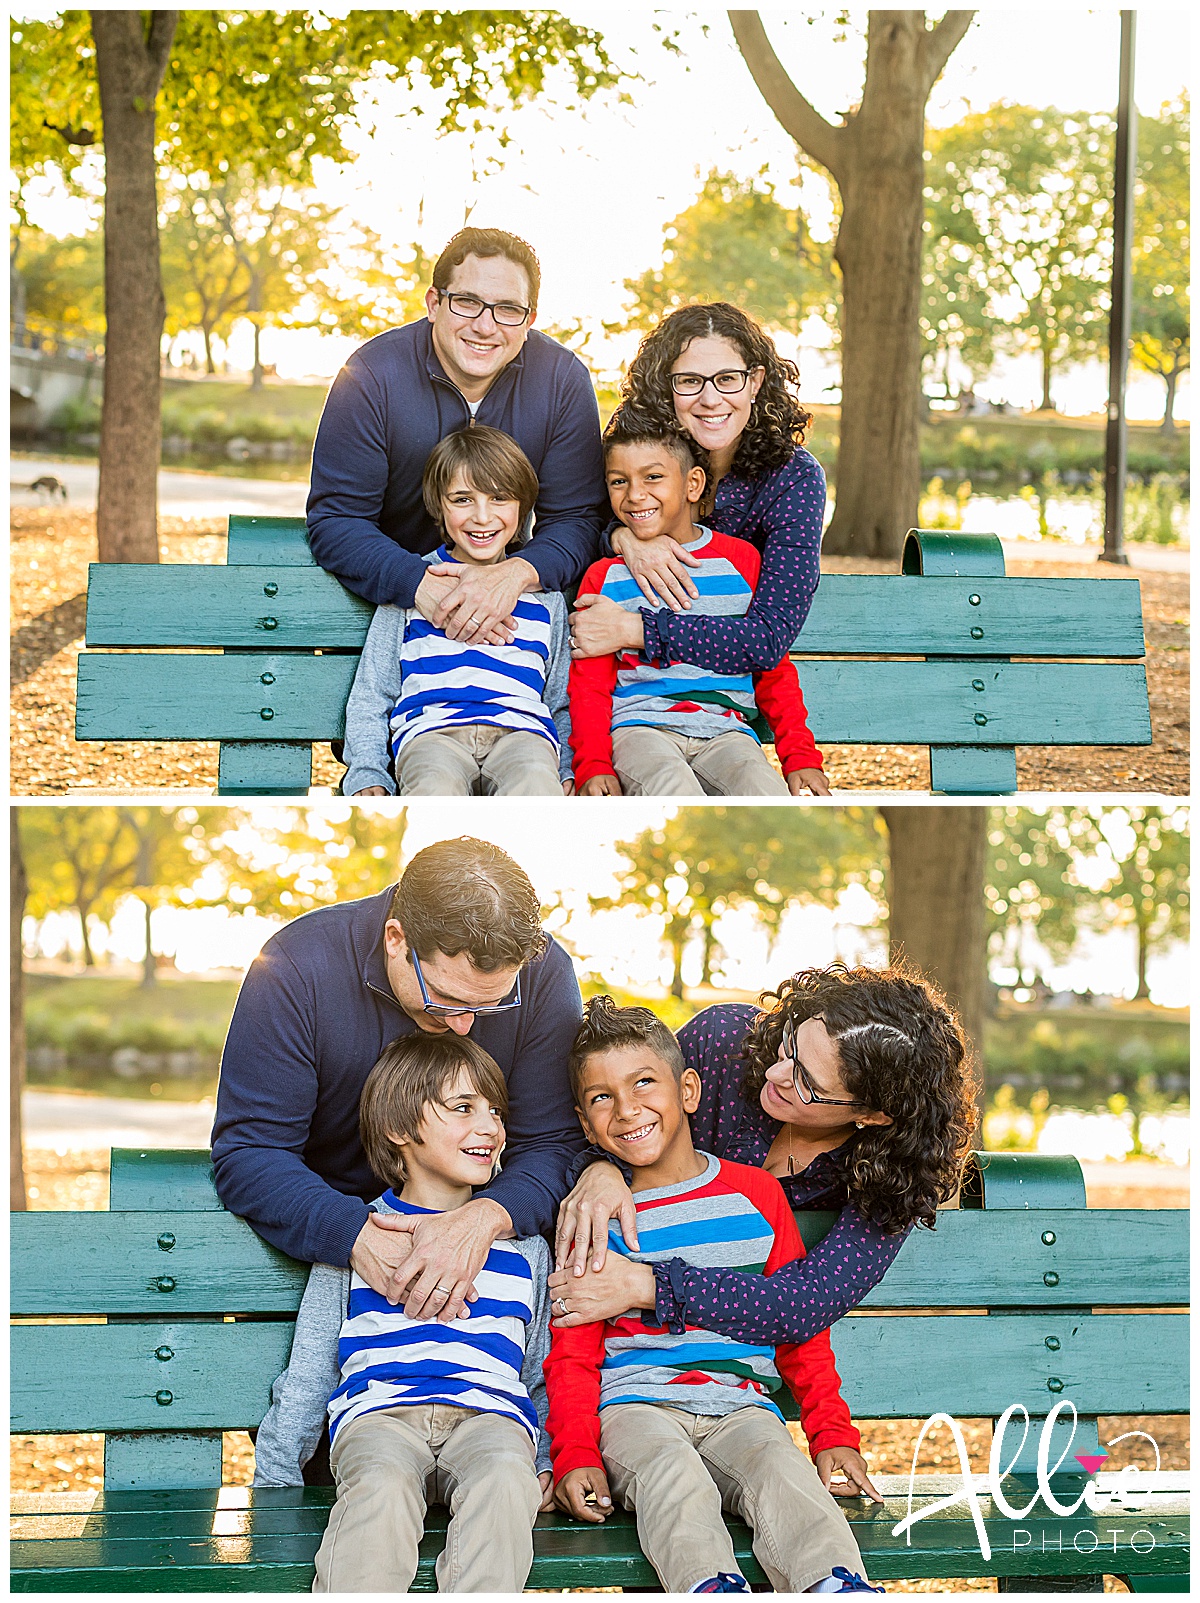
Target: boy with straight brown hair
[421,1410]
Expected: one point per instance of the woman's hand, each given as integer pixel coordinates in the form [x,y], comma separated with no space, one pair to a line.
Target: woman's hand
[600,1194]
[602,785]
[602,1294]
[812,779]
[577,1485]
[853,1466]
[568,787]
[660,567]
[599,627]
[546,1482]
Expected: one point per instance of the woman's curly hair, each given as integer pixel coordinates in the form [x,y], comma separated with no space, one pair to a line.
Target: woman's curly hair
[777,420]
[903,1053]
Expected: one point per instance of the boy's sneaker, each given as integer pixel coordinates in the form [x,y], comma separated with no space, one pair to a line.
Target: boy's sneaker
[723,1583]
[850,1581]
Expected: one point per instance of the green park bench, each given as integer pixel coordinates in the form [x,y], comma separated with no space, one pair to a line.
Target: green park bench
[163,1322]
[926,657]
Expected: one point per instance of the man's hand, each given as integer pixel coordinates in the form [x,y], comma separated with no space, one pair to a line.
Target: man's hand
[845,1461]
[577,1485]
[372,790]
[812,779]
[449,1250]
[602,785]
[602,1294]
[384,1243]
[660,567]
[599,627]
[483,600]
[600,1194]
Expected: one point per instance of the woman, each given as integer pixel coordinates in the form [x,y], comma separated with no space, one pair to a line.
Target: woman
[712,372]
[856,1091]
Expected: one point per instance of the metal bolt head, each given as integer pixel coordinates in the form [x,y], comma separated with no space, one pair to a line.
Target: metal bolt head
[977,633]
[166,1241]
[1054,1384]
[1048,1238]
[266,714]
[1050,1278]
[164,1398]
[270,589]
[981,718]
[165,1283]
[270,623]
[164,1353]
[974,600]
[976,684]
[1053,1343]
[267,678]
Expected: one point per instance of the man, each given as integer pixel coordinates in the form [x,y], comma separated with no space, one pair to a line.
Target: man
[456,945]
[475,359]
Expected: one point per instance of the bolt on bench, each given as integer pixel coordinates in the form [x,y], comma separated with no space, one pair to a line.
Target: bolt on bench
[173,1319]
[925,657]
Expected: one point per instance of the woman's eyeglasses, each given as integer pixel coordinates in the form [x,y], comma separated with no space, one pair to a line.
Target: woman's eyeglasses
[729,382]
[800,1080]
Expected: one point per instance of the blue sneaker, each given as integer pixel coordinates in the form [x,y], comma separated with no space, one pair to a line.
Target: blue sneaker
[723,1583]
[851,1581]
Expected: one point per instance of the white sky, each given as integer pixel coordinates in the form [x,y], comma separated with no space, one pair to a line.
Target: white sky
[569,853]
[593,192]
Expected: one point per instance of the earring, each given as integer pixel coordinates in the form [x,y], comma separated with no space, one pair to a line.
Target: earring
[858,1124]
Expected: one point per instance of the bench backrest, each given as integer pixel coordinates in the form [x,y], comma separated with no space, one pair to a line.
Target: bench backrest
[948,626]
[187,1315]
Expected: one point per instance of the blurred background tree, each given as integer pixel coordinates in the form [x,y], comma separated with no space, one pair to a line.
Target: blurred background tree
[1144,852]
[1161,320]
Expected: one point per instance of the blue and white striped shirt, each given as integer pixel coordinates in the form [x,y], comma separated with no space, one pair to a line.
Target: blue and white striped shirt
[388,1360]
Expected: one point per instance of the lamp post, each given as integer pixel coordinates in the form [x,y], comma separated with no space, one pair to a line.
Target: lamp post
[1115,440]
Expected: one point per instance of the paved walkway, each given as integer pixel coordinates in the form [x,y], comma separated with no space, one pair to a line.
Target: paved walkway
[180,495]
[76,1122]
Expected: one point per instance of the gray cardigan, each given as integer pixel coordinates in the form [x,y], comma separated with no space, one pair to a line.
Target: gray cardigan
[376,690]
[291,1430]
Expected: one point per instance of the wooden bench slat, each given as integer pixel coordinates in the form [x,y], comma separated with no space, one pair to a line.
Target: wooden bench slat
[158,1178]
[852,703]
[255,538]
[174,605]
[991,1361]
[270,1546]
[112,1263]
[217,1377]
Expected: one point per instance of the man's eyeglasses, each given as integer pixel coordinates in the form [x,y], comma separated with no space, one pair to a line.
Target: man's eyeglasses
[729,382]
[803,1085]
[511,314]
[447,1010]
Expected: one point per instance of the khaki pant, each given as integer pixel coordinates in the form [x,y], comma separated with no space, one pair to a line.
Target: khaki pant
[662,762]
[680,1470]
[459,762]
[388,1465]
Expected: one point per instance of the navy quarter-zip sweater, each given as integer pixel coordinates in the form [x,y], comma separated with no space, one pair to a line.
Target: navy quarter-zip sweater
[312,1017]
[391,404]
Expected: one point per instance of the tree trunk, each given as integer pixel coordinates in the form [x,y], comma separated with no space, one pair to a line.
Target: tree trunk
[878,250]
[209,365]
[877,159]
[256,372]
[706,954]
[1142,994]
[129,67]
[1047,373]
[17,891]
[89,957]
[149,962]
[1171,379]
[937,859]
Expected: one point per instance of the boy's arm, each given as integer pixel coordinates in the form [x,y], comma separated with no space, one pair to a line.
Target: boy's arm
[557,676]
[777,690]
[537,1340]
[292,1427]
[808,1368]
[591,694]
[573,1386]
[375,692]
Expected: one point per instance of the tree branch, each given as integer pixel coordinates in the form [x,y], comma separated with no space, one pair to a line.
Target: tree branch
[73,136]
[158,48]
[798,117]
[940,43]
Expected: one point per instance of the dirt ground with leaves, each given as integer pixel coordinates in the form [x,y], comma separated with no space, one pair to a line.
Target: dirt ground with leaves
[51,550]
[75,1464]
